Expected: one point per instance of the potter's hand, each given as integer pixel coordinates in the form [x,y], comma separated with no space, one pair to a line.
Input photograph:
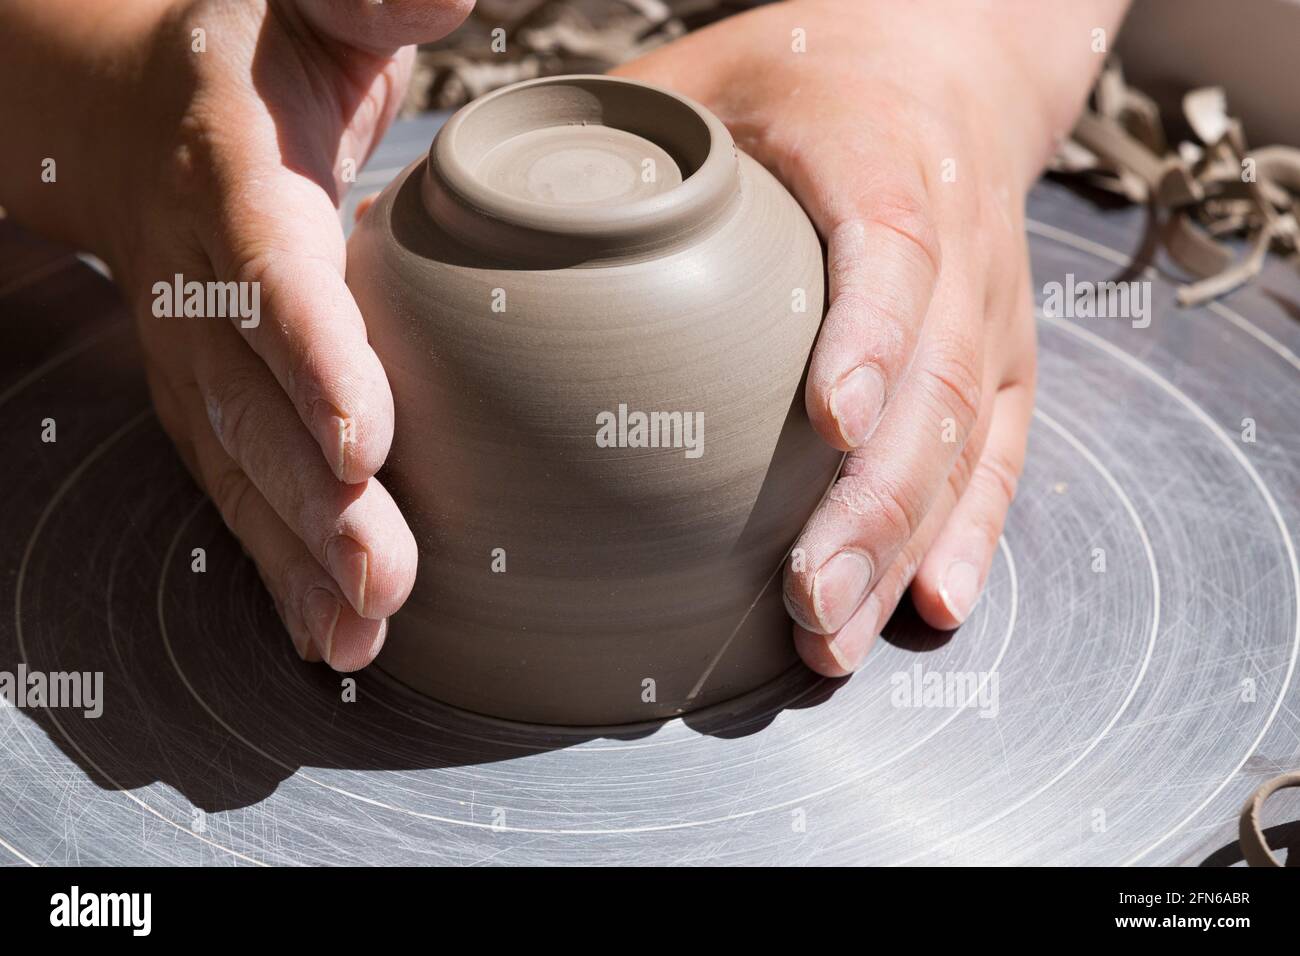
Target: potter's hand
[212,140]
[910,134]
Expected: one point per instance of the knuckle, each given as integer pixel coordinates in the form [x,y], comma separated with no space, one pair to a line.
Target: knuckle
[297,574]
[898,510]
[900,576]
[906,213]
[881,329]
[252,263]
[994,208]
[994,482]
[987,528]
[954,385]
[230,405]
[233,494]
[190,161]
[256,266]
[998,476]
[963,469]
[299,353]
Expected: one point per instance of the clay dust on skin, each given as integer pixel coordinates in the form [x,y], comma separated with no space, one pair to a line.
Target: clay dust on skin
[625,429]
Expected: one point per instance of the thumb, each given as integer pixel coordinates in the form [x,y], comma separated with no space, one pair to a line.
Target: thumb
[384,26]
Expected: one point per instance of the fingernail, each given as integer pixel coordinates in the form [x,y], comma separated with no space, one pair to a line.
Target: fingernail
[838,588]
[960,589]
[321,612]
[856,404]
[336,435]
[349,562]
[849,647]
[312,656]
[378,644]
[302,645]
[797,613]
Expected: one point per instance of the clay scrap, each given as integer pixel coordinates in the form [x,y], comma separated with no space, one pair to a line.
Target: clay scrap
[1254,847]
[1204,191]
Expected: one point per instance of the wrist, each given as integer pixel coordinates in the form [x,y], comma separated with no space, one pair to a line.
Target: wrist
[1015,73]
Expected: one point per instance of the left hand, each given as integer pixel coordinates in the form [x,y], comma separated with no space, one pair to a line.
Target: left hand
[211,141]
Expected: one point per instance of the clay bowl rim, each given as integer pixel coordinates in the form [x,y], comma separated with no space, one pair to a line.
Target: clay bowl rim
[700,195]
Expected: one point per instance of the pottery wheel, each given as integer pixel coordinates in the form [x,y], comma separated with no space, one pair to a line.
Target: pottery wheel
[1137,706]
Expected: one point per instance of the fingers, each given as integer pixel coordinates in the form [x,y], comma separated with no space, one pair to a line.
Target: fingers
[957,531]
[306,599]
[319,621]
[882,279]
[952,575]
[370,116]
[950,580]
[281,242]
[318,618]
[871,203]
[947,560]
[925,441]
[842,653]
[383,27]
[354,531]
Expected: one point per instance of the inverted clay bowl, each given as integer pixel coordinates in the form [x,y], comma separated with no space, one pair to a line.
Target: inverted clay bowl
[576,255]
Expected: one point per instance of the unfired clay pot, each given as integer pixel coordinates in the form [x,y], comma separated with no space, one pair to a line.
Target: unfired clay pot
[576,254]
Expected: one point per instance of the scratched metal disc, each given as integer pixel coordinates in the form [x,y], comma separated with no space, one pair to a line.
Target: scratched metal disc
[1140,630]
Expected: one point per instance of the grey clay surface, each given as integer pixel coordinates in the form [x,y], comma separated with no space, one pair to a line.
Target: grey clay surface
[520,286]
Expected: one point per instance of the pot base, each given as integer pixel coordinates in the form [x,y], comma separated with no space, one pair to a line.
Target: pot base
[722,718]
[578,166]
